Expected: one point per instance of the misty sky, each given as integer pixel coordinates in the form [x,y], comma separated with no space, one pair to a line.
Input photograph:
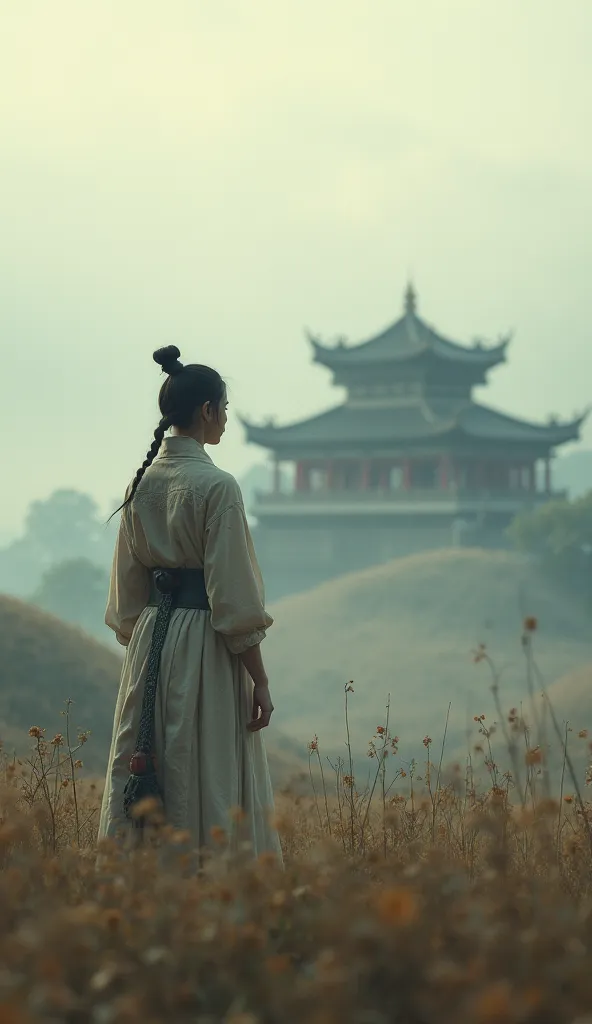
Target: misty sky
[221,174]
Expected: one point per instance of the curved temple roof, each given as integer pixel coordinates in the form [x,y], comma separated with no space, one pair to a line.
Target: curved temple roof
[408,338]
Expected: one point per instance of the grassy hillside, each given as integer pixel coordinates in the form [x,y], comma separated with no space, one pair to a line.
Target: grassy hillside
[573,694]
[45,661]
[408,628]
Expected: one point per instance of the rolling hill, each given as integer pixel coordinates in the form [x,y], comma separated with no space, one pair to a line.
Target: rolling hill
[408,628]
[45,661]
[573,694]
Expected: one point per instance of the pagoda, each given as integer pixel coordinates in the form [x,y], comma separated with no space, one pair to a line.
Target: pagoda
[409,461]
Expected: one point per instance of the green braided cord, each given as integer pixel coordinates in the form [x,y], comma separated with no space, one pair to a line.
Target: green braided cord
[139,787]
[145,741]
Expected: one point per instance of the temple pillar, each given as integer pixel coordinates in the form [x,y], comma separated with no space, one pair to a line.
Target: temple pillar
[300,477]
[444,472]
[277,479]
[365,475]
[548,475]
[330,475]
[406,474]
[532,478]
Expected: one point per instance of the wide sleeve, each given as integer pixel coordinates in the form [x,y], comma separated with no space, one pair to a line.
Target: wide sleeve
[129,588]
[233,580]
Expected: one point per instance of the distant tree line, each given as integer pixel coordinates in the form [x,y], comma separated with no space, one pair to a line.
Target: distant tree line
[559,534]
[75,591]
[61,561]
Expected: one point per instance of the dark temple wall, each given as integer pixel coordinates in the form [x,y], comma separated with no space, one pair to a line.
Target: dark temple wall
[295,557]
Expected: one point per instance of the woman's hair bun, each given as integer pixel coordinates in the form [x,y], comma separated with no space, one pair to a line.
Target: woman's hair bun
[168,358]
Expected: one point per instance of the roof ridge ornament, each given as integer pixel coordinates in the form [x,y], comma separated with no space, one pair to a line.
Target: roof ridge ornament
[410,299]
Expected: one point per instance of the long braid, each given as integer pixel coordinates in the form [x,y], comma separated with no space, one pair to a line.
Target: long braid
[151,454]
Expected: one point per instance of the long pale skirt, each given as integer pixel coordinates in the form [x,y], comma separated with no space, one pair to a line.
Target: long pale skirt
[208,763]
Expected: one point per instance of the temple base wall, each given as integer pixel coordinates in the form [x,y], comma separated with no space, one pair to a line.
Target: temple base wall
[295,557]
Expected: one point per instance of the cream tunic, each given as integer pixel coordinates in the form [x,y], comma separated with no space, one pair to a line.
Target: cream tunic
[188,513]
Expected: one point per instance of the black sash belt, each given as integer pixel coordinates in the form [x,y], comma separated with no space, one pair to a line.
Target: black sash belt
[170,588]
[187,587]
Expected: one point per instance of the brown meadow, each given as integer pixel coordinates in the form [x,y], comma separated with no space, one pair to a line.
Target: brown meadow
[427,894]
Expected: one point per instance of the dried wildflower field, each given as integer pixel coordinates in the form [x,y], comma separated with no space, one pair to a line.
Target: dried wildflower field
[428,893]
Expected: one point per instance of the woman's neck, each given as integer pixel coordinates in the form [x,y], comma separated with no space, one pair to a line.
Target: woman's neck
[195,433]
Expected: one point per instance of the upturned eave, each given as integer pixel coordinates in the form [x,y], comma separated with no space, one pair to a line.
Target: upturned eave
[342,427]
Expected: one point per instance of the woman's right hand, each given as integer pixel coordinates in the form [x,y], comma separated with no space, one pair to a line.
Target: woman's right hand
[262,708]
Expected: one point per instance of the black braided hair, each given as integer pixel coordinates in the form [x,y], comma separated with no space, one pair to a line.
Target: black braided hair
[186,389]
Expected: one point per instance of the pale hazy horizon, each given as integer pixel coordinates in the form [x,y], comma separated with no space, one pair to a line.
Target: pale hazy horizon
[223,175]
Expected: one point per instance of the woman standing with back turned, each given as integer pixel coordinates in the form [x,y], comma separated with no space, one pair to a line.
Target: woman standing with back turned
[186,599]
